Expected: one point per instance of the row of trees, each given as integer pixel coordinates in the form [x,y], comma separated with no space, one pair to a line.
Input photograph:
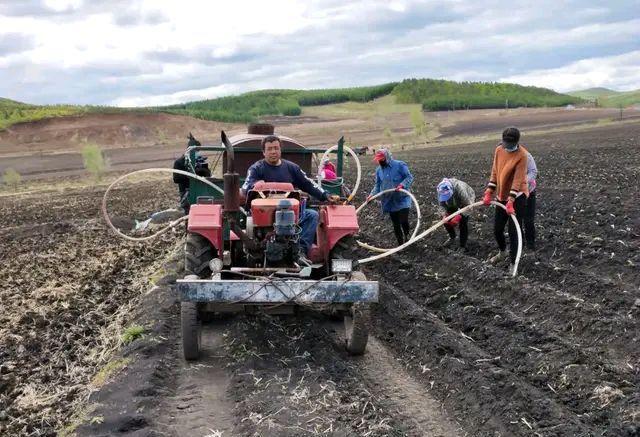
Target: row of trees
[437,95]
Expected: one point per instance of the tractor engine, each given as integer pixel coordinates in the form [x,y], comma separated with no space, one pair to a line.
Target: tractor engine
[282,244]
[273,223]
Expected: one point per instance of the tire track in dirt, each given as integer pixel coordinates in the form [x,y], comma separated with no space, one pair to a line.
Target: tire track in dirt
[383,374]
[199,403]
[213,395]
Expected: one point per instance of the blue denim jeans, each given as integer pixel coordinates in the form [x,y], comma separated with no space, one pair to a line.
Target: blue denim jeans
[308,223]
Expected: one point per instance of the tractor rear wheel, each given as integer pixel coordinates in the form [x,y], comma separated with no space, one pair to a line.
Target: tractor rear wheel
[191,330]
[198,252]
[356,323]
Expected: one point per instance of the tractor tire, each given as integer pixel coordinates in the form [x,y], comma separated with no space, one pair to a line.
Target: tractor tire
[198,251]
[191,330]
[345,248]
[356,323]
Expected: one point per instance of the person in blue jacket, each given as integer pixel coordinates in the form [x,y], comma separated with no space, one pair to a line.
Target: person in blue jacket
[392,173]
[275,169]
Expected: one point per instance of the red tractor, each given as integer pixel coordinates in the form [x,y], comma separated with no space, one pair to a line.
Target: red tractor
[245,257]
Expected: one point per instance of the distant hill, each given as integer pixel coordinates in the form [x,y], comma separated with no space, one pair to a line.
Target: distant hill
[609,98]
[5,103]
[592,93]
[249,106]
[431,94]
[624,99]
[437,95]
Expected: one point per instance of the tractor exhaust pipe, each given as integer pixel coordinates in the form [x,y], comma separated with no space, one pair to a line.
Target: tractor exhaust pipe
[230,156]
[231,180]
[231,187]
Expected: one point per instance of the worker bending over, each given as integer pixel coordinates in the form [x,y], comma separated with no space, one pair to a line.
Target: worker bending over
[454,194]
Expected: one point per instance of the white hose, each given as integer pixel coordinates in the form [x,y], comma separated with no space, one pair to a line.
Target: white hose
[391,190]
[358,169]
[443,221]
[170,225]
[387,252]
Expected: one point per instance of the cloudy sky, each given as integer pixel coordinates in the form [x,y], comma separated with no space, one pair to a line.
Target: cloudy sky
[133,53]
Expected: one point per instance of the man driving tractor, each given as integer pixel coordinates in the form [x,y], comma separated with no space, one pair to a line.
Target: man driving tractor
[275,169]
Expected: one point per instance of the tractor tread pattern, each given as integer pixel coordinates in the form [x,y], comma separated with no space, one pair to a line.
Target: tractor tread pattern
[357,323]
[357,328]
[191,331]
[197,254]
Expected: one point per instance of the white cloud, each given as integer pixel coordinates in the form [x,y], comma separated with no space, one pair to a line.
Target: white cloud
[621,72]
[62,5]
[163,51]
[179,97]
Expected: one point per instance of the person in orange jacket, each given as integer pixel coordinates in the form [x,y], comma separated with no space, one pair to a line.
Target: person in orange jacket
[508,184]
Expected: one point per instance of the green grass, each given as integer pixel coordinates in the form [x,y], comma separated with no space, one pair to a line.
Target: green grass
[11,178]
[132,333]
[93,160]
[109,369]
[78,418]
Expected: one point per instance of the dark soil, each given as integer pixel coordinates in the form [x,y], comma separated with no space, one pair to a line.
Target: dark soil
[558,347]
[457,348]
[67,284]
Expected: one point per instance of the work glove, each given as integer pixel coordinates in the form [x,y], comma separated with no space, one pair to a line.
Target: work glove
[510,209]
[454,221]
[399,187]
[487,197]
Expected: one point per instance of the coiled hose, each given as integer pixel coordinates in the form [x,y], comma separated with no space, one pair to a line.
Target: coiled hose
[442,222]
[105,214]
[381,193]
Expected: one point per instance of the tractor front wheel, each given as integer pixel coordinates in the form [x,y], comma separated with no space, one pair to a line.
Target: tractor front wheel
[356,323]
[191,330]
[198,252]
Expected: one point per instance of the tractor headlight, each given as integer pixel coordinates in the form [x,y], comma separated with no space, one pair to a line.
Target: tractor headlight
[341,265]
[215,265]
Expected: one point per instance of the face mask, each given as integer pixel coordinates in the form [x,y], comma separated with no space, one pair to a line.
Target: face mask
[513,149]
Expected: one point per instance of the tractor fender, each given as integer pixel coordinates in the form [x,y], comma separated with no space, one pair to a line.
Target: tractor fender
[206,220]
[339,221]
